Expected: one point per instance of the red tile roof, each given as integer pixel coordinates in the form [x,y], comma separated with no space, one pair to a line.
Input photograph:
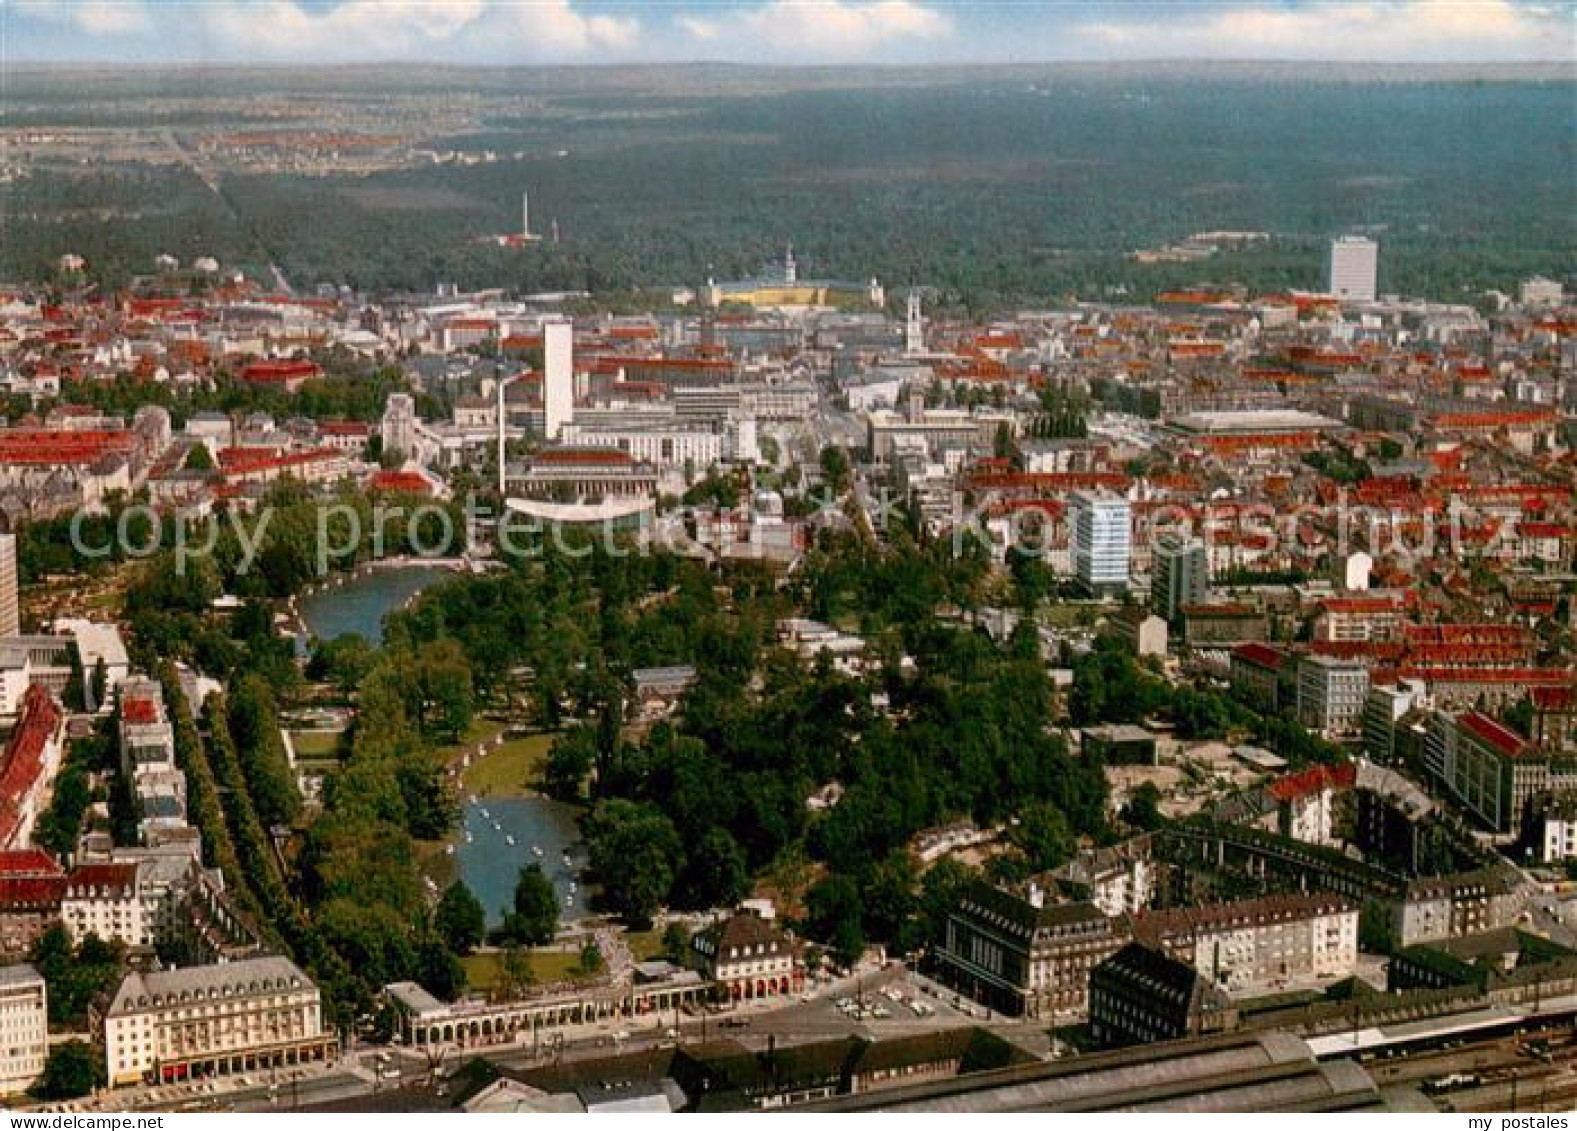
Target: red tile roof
[400,483]
[1315,779]
[561,457]
[31,893]
[139,710]
[1262,655]
[1497,736]
[119,879]
[21,862]
[42,447]
[279,372]
[22,764]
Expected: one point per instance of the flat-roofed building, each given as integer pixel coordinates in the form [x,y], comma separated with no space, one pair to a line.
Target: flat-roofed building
[1101,523]
[582,474]
[1354,268]
[1119,744]
[1179,575]
[24,1028]
[1331,695]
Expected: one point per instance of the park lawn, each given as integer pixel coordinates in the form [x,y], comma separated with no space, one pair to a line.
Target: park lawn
[547,967]
[644,944]
[480,730]
[511,769]
[1055,615]
[316,745]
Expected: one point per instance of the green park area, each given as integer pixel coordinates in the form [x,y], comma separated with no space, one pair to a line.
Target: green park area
[511,768]
[486,972]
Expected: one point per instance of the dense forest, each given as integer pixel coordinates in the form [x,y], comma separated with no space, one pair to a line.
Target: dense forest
[991,191]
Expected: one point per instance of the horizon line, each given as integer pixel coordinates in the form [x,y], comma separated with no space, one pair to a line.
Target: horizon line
[680,64]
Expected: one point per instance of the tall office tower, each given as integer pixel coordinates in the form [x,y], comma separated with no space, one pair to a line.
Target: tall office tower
[914,329]
[525,215]
[399,425]
[558,377]
[10,605]
[1102,540]
[1354,266]
[1179,575]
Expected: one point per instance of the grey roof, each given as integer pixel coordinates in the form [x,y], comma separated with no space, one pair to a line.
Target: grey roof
[413,998]
[1016,914]
[140,992]
[21,974]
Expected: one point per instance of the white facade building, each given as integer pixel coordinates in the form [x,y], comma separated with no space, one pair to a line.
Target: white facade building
[400,425]
[1102,536]
[668,448]
[232,1017]
[1257,944]
[106,900]
[1354,268]
[10,605]
[1539,291]
[24,1027]
[558,377]
[1331,695]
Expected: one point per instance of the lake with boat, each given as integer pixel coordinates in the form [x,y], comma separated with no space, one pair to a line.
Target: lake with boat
[500,835]
[497,835]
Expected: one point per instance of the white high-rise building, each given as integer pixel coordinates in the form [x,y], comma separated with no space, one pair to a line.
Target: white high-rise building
[914,328]
[399,425]
[10,603]
[24,1027]
[1101,524]
[558,377]
[1355,264]
[1331,694]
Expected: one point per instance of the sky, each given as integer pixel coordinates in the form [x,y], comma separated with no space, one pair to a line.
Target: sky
[783,32]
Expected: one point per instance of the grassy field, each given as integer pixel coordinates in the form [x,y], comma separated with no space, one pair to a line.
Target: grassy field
[510,769]
[315,745]
[645,944]
[481,970]
[480,730]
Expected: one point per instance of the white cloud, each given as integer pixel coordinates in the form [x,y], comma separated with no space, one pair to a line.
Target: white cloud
[697,28]
[354,29]
[813,30]
[96,18]
[553,27]
[788,31]
[1456,30]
